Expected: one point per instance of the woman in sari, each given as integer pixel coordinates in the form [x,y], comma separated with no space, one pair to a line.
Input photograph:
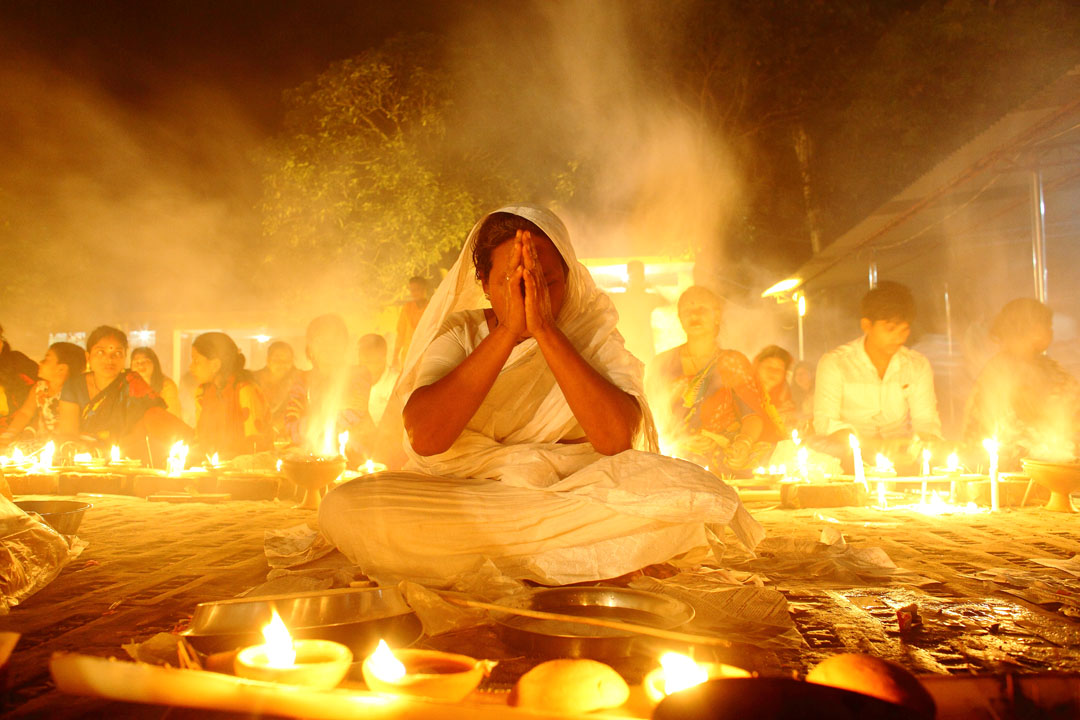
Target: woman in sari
[145,362]
[40,411]
[771,367]
[232,417]
[713,408]
[112,406]
[529,443]
[1022,397]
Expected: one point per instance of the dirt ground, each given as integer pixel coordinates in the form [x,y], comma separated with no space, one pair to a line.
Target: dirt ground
[985,605]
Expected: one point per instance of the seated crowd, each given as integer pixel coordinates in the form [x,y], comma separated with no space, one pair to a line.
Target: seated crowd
[529,435]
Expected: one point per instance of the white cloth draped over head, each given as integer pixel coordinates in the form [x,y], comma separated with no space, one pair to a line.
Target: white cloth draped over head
[507,491]
[526,390]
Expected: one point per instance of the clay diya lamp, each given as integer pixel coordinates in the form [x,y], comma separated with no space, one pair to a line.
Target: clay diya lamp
[678,672]
[1061,479]
[314,473]
[423,673]
[320,664]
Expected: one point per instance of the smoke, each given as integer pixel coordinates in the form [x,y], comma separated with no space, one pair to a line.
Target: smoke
[598,95]
[112,214]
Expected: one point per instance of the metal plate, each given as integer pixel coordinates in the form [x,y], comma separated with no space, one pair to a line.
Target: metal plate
[553,638]
[357,618]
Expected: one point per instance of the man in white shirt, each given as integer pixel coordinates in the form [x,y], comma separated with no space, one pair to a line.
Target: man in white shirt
[875,387]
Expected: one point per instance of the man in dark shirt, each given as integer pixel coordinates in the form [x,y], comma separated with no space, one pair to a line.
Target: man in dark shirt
[18,375]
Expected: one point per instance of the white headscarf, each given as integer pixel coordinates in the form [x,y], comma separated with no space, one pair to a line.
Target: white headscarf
[587,318]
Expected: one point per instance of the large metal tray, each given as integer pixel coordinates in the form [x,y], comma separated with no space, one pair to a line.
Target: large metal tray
[553,638]
[357,618]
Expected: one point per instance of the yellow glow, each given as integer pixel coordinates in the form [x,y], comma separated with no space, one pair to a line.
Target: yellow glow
[883,464]
[177,458]
[83,457]
[114,454]
[343,442]
[952,463]
[782,287]
[263,338]
[681,672]
[795,437]
[17,456]
[214,459]
[991,447]
[802,305]
[280,652]
[45,460]
[384,665]
[853,441]
[279,465]
[926,461]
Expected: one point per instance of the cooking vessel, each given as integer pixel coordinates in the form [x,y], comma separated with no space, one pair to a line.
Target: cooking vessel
[357,618]
[554,638]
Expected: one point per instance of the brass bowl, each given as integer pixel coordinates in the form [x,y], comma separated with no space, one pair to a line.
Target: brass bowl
[1061,479]
[313,473]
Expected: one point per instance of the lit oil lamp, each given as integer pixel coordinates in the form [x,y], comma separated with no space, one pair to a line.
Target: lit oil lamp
[678,672]
[44,460]
[370,467]
[319,664]
[423,673]
[343,443]
[177,459]
[114,454]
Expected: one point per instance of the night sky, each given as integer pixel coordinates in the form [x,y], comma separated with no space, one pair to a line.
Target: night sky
[251,49]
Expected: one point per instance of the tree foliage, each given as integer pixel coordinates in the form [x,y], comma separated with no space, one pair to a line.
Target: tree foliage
[360,180]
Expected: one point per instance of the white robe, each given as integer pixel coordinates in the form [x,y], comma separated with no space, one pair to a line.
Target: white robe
[507,491]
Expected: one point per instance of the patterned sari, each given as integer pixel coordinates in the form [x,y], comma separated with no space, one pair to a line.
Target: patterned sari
[114,412]
[705,410]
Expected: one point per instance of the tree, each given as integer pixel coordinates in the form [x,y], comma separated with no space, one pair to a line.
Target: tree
[360,192]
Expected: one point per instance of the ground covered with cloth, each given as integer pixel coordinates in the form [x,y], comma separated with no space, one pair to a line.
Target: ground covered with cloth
[957,594]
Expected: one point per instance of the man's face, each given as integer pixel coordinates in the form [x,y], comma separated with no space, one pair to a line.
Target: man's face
[280,362]
[373,360]
[886,336]
[326,350]
[418,292]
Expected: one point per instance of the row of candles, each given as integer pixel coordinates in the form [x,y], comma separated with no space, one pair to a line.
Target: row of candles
[427,673]
[883,467]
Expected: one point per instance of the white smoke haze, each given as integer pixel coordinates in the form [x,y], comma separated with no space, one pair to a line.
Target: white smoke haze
[144,212]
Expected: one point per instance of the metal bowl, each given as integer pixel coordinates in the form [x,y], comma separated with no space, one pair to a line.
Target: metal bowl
[553,638]
[63,516]
[356,618]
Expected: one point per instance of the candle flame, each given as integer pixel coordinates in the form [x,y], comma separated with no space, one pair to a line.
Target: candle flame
[952,463]
[384,665]
[795,437]
[991,446]
[17,456]
[45,460]
[883,464]
[83,457]
[114,454]
[343,442]
[369,467]
[280,652]
[853,441]
[279,465]
[214,459]
[681,672]
[177,458]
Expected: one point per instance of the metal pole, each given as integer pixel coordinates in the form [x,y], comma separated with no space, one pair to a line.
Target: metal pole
[949,365]
[1038,235]
[801,311]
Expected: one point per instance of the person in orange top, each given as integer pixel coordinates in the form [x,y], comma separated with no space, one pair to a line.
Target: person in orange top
[232,417]
[410,318]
